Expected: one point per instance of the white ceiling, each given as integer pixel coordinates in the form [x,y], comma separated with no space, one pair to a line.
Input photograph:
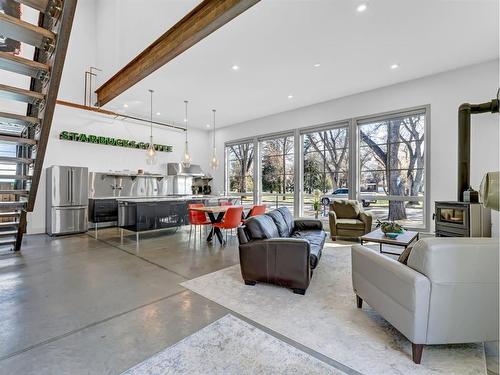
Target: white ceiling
[277,42]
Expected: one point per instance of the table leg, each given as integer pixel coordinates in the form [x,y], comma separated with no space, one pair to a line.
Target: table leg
[215,230]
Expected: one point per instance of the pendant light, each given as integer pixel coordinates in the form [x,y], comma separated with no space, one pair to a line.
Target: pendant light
[214,162]
[186,159]
[151,152]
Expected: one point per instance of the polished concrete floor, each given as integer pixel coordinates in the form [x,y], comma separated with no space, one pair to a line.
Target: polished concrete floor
[80,305]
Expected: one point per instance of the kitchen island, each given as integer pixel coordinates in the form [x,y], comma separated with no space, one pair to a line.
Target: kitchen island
[140,214]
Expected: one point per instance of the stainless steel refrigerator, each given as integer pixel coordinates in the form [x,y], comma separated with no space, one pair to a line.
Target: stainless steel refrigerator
[67,200]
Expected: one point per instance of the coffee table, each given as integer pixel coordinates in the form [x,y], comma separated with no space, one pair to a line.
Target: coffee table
[403,239]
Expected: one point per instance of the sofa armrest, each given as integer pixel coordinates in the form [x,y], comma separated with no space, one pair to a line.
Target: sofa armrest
[367,219]
[397,292]
[308,224]
[282,261]
[332,216]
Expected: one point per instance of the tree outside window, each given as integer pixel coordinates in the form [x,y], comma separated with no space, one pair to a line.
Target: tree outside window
[391,158]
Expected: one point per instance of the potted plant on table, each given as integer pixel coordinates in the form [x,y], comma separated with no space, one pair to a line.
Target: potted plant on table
[390,228]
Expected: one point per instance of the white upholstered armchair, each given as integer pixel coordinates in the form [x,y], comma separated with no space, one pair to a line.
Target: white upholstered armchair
[448,292]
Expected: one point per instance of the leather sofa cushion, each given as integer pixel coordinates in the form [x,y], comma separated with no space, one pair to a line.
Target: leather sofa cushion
[280,223]
[346,209]
[350,224]
[288,217]
[316,239]
[261,227]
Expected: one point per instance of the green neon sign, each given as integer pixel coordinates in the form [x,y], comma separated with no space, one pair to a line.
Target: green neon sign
[109,141]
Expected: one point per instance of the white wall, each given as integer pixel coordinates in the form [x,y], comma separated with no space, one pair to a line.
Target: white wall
[444,92]
[80,56]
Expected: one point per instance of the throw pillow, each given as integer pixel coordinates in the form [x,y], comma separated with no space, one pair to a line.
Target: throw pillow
[403,258]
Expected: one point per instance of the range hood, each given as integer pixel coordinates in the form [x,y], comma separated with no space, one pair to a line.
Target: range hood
[177,169]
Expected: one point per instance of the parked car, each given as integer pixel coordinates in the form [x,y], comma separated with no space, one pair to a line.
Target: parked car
[342,193]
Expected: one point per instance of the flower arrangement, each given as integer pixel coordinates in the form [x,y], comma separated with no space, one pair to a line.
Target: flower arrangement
[390,227]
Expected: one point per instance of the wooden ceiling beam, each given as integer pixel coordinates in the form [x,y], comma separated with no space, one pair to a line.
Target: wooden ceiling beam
[203,20]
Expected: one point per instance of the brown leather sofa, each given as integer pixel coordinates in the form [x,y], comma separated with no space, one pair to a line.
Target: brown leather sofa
[347,219]
[275,248]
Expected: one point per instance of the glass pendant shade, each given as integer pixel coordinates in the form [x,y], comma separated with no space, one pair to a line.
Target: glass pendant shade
[214,162]
[151,152]
[186,159]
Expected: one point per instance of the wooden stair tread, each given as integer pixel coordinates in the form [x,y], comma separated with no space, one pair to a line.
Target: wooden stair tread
[22,95]
[8,232]
[40,5]
[13,118]
[10,214]
[18,140]
[21,65]
[15,177]
[9,223]
[22,31]
[6,241]
[15,160]
[14,191]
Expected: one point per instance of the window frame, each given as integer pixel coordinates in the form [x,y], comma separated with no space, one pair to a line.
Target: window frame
[352,124]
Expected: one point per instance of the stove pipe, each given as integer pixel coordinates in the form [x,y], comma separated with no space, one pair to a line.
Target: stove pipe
[464,113]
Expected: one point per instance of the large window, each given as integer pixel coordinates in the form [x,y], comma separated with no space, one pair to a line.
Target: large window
[392,167]
[326,168]
[379,160]
[240,170]
[277,171]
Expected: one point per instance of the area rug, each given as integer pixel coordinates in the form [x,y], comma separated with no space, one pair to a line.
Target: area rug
[231,346]
[327,321]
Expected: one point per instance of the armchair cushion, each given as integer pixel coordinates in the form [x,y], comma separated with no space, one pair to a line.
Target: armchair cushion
[350,224]
[346,209]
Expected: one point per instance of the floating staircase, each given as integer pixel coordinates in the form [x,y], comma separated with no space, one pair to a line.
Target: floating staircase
[24,137]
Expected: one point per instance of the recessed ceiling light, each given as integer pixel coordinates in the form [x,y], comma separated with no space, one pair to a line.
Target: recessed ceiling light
[125,105]
[317,65]
[185,120]
[362,7]
[394,66]
[207,125]
[290,96]
[158,113]
[235,67]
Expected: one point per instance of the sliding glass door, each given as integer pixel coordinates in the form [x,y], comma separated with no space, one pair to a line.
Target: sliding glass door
[277,171]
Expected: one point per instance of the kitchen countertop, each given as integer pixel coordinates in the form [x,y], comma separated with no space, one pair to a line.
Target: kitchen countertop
[160,198]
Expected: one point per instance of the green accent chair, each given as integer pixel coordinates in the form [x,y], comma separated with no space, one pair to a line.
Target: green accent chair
[348,219]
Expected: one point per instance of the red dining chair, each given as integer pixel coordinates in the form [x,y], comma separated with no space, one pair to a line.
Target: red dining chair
[196,218]
[231,220]
[256,210]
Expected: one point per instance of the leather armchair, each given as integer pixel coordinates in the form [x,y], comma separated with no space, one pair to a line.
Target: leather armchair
[448,293]
[348,219]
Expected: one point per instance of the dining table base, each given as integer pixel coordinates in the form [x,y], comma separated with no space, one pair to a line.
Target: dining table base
[215,219]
